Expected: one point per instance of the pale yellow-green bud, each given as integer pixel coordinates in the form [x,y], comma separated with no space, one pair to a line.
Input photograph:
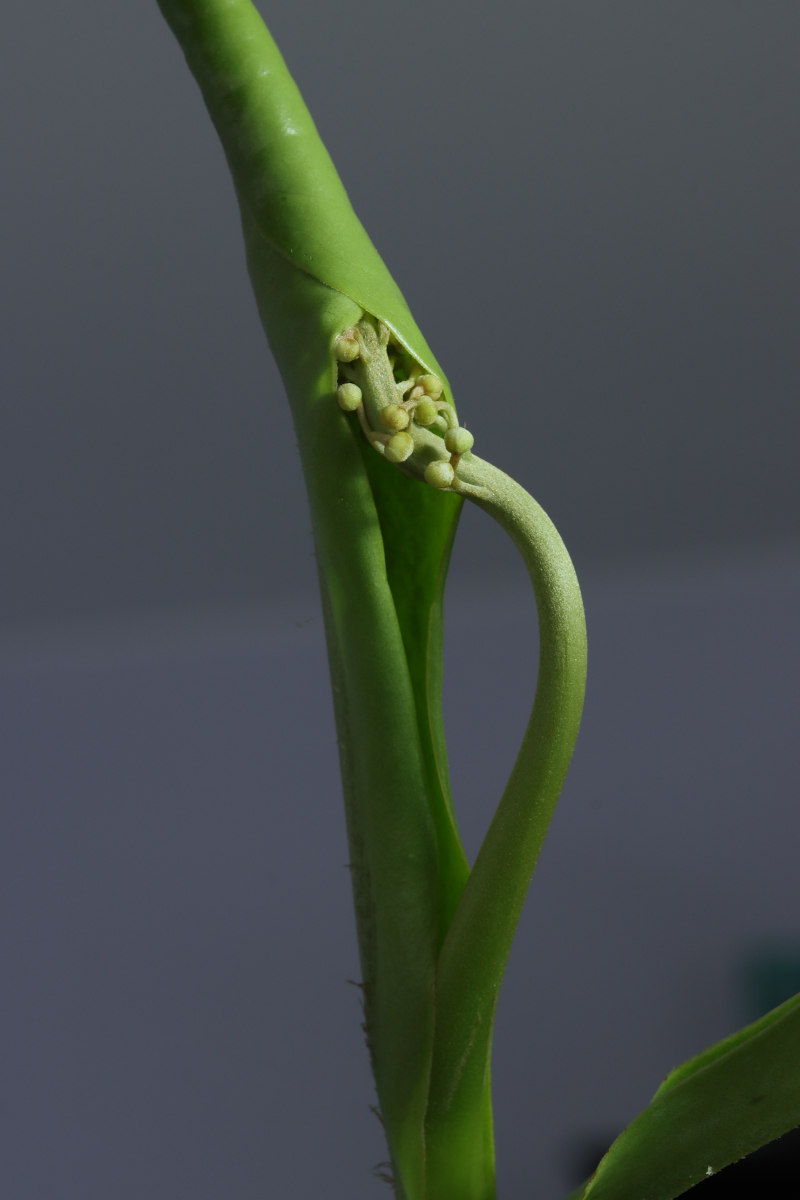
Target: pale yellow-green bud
[439,474]
[400,447]
[426,412]
[349,396]
[458,440]
[432,385]
[345,346]
[393,418]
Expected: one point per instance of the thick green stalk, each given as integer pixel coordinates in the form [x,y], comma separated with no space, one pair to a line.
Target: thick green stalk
[473,959]
[292,197]
[315,272]
[432,952]
[392,839]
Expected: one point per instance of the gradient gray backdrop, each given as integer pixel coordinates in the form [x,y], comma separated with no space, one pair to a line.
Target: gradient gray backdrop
[591,208]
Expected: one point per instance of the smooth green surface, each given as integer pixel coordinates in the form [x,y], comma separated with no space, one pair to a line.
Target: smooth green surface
[709,1112]
[729,1043]
[282,171]
[391,831]
[293,200]
[308,257]
[417,557]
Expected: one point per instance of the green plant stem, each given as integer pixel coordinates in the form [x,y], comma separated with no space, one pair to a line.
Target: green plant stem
[391,833]
[458,1129]
[433,944]
[473,958]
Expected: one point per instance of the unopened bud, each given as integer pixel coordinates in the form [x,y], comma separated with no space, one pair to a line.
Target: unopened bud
[439,474]
[393,418]
[432,385]
[426,412]
[345,346]
[400,447]
[349,396]
[459,440]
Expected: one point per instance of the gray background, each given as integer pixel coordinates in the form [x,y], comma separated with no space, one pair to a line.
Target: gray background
[592,211]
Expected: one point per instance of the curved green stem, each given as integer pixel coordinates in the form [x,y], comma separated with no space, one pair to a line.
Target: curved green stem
[472,959]
[474,955]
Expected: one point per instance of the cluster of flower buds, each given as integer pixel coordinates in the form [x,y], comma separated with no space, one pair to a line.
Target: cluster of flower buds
[419,402]
[457,441]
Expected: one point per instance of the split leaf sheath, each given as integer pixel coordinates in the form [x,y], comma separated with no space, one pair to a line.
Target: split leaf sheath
[433,939]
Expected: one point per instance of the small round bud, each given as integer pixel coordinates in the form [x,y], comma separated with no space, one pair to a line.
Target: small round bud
[439,474]
[345,346]
[432,385]
[349,396]
[426,412]
[400,447]
[393,418]
[458,440]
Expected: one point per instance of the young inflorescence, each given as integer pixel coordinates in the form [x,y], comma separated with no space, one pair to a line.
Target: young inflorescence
[399,406]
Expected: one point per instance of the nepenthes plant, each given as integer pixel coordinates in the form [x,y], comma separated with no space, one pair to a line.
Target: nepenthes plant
[388,466]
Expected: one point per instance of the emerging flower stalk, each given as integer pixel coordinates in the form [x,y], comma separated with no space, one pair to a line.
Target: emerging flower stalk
[434,935]
[400,408]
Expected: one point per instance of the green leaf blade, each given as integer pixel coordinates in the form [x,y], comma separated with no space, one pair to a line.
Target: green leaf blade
[282,170]
[720,1106]
[418,526]
[394,860]
[294,200]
